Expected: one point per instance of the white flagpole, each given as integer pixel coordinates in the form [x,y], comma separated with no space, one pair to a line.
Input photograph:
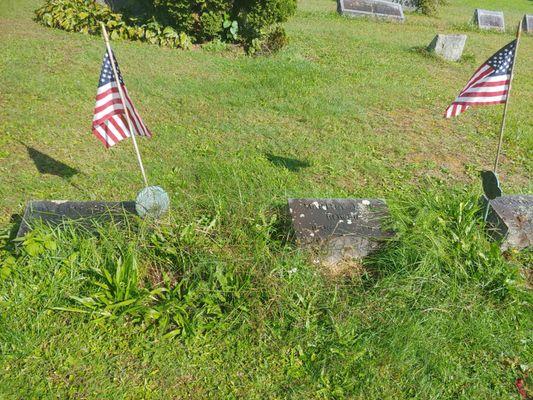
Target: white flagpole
[502,128]
[123,99]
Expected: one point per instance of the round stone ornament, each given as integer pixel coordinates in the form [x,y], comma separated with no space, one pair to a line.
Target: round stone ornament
[152,201]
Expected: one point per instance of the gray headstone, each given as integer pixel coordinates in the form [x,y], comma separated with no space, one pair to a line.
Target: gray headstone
[86,212]
[527,23]
[486,19]
[449,47]
[341,228]
[510,220]
[366,8]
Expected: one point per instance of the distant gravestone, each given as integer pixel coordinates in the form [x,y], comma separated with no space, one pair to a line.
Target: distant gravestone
[366,8]
[340,228]
[527,23]
[87,213]
[449,47]
[510,219]
[486,19]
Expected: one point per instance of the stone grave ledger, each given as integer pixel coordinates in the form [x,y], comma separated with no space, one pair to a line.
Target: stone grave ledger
[341,228]
[449,47]
[486,19]
[87,213]
[527,23]
[510,220]
[366,8]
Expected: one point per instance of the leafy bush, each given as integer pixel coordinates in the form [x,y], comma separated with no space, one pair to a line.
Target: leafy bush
[270,42]
[176,23]
[85,16]
[258,16]
[216,19]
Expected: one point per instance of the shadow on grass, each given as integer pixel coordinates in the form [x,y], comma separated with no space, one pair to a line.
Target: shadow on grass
[292,164]
[48,165]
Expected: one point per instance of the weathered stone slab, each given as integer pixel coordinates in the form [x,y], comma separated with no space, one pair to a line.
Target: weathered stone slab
[449,47]
[510,220]
[367,8]
[86,212]
[486,19]
[341,228]
[527,23]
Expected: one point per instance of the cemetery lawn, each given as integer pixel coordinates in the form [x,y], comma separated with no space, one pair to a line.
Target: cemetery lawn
[350,108]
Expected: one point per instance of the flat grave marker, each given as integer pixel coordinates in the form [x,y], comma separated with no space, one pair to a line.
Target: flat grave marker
[341,228]
[449,47]
[87,213]
[368,8]
[487,19]
[510,219]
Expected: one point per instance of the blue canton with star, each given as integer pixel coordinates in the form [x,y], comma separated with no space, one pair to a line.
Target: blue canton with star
[106,75]
[503,60]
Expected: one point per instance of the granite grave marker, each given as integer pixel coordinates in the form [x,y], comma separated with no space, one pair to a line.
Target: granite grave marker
[449,47]
[510,219]
[486,19]
[366,8]
[340,228]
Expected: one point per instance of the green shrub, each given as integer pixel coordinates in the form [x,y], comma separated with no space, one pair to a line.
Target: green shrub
[207,20]
[270,42]
[202,20]
[174,23]
[85,16]
[258,16]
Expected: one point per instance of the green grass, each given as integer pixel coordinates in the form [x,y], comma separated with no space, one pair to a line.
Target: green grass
[348,108]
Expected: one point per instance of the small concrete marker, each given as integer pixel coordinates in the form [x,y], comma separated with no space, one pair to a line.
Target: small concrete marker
[449,47]
[341,229]
[370,8]
[486,19]
[510,220]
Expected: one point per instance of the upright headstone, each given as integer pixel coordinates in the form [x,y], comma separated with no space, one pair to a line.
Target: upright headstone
[527,23]
[87,213]
[486,19]
[449,47]
[340,229]
[369,8]
[510,219]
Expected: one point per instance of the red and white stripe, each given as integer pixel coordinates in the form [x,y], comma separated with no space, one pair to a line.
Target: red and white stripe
[110,125]
[481,89]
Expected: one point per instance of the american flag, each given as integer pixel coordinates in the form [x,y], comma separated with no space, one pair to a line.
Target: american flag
[490,83]
[110,125]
